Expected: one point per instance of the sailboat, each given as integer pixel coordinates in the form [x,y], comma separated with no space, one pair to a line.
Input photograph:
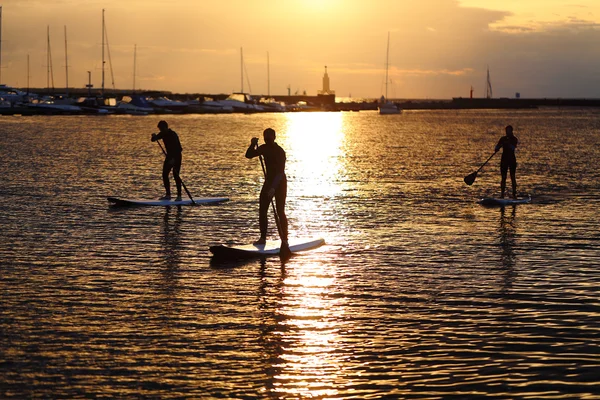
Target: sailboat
[240,101]
[385,106]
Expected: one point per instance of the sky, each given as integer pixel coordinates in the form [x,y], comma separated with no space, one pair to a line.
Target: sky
[438,49]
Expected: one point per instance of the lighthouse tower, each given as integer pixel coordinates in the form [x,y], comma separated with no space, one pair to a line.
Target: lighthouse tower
[326,89]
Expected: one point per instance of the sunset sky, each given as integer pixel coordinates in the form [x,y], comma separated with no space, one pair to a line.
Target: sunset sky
[438,48]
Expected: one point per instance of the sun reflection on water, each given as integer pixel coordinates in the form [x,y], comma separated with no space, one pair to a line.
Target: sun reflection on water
[315,144]
[310,362]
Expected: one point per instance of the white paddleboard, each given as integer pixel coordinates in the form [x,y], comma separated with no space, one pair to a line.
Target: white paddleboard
[146,202]
[271,248]
[493,201]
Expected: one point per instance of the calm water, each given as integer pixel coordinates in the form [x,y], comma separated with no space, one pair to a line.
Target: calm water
[419,292]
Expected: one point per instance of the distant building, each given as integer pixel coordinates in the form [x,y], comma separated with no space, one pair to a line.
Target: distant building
[326,90]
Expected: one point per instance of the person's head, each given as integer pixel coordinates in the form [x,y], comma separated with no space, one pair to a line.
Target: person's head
[269,135]
[509,130]
[163,126]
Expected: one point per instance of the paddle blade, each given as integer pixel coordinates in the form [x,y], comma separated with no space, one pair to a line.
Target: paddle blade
[284,251]
[469,179]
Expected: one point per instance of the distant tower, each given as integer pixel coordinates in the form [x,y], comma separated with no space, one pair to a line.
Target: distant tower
[326,89]
[471,93]
[326,81]
[488,85]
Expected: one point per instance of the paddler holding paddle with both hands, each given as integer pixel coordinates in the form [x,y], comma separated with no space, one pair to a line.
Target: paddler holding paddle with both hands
[172,158]
[275,185]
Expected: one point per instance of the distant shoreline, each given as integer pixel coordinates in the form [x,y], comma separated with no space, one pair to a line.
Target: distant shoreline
[329,103]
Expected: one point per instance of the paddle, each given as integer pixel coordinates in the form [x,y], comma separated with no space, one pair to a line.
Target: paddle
[182,184]
[284,252]
[469,179]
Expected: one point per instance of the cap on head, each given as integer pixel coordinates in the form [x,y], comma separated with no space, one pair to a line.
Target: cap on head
[162,124]
[509,128]
[269,135]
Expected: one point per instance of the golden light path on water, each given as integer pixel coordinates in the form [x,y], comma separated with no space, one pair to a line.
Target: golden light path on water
[317,140]
[315,169]
[310,363]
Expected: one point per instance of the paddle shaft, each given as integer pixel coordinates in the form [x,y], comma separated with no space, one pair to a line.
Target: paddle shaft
[182,184]
[277,222]
[486,161]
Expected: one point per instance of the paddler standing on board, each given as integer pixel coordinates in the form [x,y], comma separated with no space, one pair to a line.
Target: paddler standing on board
[275,184]
[508,144]
[172,158]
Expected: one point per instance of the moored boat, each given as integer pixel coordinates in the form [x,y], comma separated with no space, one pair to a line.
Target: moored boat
[241,102]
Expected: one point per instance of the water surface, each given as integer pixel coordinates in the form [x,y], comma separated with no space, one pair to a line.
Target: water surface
[419,292]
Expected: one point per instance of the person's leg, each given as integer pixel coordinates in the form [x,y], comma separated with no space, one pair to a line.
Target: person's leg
[503,171]
[165,176]
[513,179]
[176,170]
[280,197]
[263,209]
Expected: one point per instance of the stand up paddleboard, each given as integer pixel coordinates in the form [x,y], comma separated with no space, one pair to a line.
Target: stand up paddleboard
[271,248]
[493,201]
[172,202]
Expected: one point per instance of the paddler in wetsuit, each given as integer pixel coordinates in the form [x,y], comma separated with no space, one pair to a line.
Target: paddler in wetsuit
[275,182]
[172,159]
[508,144]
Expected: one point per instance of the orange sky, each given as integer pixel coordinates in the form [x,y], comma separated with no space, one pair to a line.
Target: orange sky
[438,48]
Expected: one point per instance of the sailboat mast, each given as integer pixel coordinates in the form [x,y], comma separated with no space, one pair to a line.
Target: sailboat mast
[49,70]
[134,66]
[488,85]
[103,52]
[0,44]
[268,77]
[387,61]
[48,58]
[242,67]
[27,74]
[66,65]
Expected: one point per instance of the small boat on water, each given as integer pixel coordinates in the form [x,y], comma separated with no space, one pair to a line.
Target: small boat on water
[207,105]
[269,104]
[50,106]
[13,95]
[94,106]
[164,103]
[241,102]
[387,107]
[126,106]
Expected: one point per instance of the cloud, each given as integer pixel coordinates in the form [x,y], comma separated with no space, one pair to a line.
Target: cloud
[438,72]
[573,24]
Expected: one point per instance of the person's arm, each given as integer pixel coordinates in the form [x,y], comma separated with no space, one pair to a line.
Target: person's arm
[500,143]
[156,136]
[253,149]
